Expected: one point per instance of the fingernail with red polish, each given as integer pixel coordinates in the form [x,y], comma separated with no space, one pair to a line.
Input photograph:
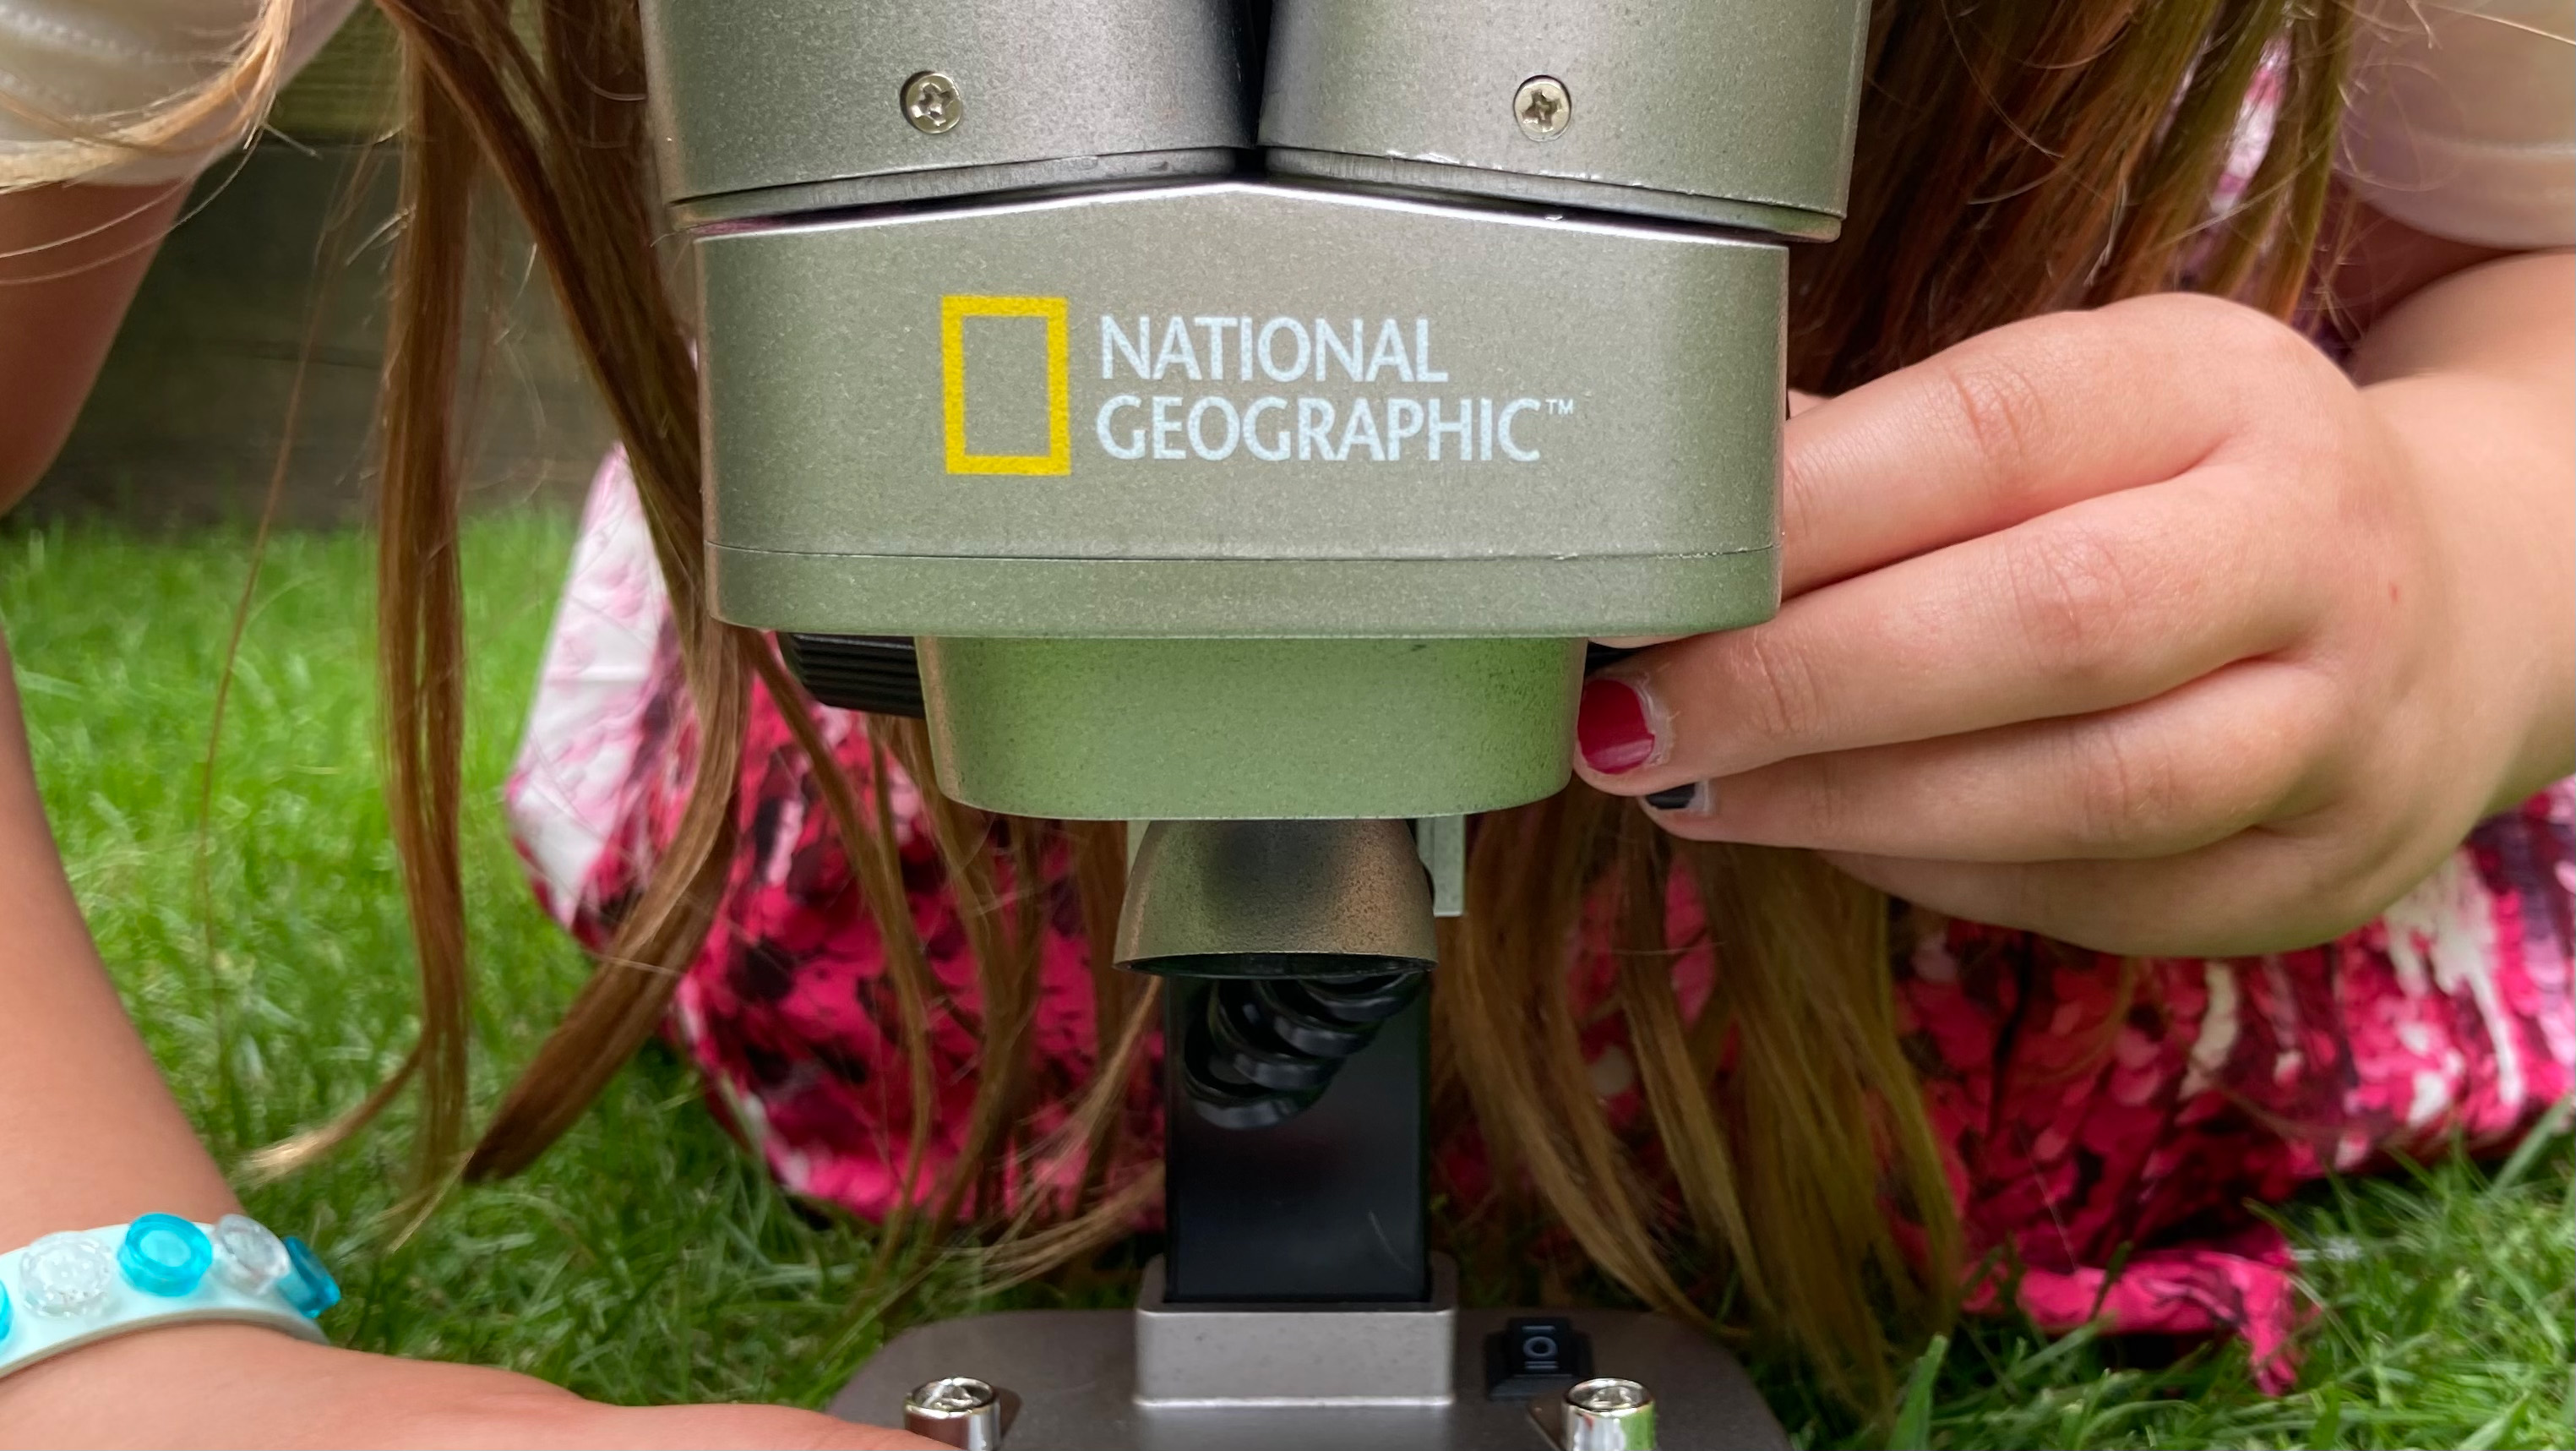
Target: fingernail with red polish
[1615,727]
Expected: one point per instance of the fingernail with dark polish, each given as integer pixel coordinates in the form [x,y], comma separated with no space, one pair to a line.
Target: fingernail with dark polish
[1684,797]
[1615,727]
[1598,657]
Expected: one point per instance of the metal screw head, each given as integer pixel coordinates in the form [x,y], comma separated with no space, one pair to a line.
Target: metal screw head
[1543,107]
[932,104]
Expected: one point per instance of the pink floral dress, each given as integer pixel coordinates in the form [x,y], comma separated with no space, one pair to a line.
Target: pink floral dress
[2451,1019]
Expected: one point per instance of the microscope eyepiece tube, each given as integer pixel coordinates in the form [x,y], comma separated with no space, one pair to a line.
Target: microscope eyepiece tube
[801,105]
[1734,112]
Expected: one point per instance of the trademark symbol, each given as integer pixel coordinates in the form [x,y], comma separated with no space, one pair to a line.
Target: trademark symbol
[1559,407]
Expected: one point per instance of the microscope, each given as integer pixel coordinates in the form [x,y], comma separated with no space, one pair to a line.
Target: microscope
[1234,419]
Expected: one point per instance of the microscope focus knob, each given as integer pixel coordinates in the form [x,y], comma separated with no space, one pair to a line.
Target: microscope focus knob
[956,1410]
[1608,1414]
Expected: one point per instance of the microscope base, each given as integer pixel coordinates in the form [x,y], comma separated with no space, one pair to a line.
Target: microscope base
[1072,1374]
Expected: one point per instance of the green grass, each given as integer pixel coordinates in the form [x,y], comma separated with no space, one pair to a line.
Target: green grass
[648,1259]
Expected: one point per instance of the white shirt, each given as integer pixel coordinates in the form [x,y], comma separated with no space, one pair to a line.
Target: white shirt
[2463,121]
[98,65]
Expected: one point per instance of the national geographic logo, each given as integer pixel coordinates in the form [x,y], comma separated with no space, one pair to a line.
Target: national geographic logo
[1009,397]
[1007,320]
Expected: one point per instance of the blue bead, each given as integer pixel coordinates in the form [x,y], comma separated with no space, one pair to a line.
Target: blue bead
[164,1255]
[307,1286]
[8,1313]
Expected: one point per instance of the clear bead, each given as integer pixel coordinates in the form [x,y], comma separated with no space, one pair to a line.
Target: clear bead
[247,1255]
[67,1274]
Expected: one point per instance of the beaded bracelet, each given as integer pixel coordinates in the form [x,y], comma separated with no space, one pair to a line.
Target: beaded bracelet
[71,1288]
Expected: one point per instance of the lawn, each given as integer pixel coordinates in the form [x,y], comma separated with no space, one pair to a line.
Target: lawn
[261,945]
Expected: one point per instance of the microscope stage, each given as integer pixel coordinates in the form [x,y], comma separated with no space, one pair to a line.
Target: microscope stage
[1073,1375]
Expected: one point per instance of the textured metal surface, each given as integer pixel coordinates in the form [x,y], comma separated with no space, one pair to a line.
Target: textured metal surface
[1213,1356]
[1182,729]
[960,595]
[750,94]
[1753,100]
[1528,188]
[895,188]
[1625,384]
[1074,1371]
[1331,888]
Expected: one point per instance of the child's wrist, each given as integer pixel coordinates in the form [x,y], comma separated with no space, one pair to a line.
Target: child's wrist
[2502,538]
[90,1393]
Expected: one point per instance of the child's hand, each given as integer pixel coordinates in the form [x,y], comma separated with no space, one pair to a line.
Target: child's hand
[2137,627]
[237,1385]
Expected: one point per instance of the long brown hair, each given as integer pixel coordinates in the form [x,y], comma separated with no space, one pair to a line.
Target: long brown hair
[2015,157]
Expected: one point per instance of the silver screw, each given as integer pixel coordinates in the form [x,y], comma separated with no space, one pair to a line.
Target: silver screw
[1609,1414]
[955,1410]
[1543,108]
[932,104]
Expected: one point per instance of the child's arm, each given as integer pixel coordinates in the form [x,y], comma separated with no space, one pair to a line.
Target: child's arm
[70,258]
[2474,374]
[74,1077]
[90,1136]
[2149,628]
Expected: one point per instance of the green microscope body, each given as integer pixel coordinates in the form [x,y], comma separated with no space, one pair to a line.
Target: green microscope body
[1249,411]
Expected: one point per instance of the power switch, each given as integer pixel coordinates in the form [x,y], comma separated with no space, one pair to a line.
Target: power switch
[1537,1355]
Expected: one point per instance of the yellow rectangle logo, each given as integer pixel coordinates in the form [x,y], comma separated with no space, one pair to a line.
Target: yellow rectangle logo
[953,312]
